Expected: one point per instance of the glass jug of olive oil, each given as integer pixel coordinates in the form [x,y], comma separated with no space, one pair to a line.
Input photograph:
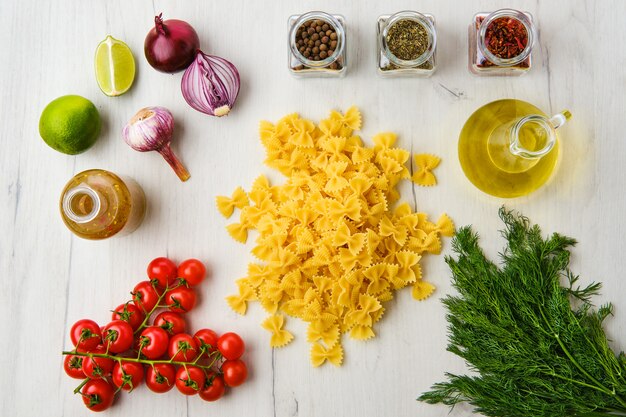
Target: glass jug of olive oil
[509,148]
[97,204]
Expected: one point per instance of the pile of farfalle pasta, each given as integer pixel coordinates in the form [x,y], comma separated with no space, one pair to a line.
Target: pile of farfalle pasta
[331,249]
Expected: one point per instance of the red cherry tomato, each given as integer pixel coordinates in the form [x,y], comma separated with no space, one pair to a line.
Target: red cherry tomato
[153,342]
[118,336]
[182,348]
[96,367]
[130,313]
[181,299]
[231,346]
[189,380]
[163,271]
[73,366]
[192,271]
[213,388]
[172,323]
[235,372]
[128,376]
[98,394]
[85,334]
[145,296]
[208,339]
[161,377]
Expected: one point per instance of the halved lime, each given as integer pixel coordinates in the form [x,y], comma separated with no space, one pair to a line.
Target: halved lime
[115,66]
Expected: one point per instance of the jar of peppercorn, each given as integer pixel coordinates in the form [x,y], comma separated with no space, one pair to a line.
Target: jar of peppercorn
[407,43]
[317,45]
[500,43]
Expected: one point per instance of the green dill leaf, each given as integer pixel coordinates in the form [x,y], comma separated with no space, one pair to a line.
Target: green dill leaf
[528,331]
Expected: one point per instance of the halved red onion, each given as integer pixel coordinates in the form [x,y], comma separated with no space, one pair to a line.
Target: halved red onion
[211,84]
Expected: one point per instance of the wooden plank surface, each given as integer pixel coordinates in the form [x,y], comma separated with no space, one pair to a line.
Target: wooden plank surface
[50,279]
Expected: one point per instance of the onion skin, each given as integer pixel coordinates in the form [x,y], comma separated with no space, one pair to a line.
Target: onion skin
[151,130]
[171,45]
[211,84]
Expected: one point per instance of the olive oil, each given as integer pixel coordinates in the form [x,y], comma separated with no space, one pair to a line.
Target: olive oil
[97,204]
[485,149]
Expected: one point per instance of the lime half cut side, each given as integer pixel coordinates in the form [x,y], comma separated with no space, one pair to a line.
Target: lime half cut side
[115,67]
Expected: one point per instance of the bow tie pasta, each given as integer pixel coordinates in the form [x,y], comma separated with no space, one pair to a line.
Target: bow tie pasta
[331,249]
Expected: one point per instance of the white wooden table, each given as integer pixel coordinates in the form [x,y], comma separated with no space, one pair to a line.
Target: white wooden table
[50,278]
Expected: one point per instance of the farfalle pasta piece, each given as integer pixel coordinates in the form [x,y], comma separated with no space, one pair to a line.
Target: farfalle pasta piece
[302,136]
[384,140]
[445,225]
[238,231]
[226,205]
[239,302]
[331,247]
[354,241]
[422,290]
[424,164]
[360,332]
[399,232]
[350,119]
[320,354]
[280,337]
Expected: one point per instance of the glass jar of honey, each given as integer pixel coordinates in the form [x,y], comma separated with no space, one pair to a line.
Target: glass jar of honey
[97,204]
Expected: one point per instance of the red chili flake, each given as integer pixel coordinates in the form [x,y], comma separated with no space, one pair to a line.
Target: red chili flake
[506,37]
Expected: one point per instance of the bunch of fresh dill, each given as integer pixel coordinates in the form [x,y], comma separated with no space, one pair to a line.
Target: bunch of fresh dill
[532,337]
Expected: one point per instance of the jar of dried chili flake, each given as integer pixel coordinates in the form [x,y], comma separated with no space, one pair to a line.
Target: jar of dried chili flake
[500,43]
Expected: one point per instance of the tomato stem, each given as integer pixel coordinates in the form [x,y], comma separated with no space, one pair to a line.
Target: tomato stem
[140,360]
[157,305]
[82,384]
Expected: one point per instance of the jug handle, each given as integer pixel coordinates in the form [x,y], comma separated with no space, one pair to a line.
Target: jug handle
[559,119]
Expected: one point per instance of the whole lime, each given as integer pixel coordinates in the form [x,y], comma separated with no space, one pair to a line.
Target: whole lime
[70,124]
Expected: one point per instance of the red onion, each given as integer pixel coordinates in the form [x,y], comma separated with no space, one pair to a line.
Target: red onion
[171,45]
[211,84]
[151,130]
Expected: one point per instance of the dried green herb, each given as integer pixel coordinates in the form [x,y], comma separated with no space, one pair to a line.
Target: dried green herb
[407,39]
[538,346]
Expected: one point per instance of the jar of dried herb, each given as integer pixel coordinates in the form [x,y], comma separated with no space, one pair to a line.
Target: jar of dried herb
[407,44]
[317,45]
[500,43]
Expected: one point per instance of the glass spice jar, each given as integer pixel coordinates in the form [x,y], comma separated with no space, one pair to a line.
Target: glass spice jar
[317,45]
[415,54]
[97,204]
[500,43]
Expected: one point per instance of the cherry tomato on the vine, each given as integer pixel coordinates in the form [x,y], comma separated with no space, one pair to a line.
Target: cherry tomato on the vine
[172,323]
[130,313]
[213,388]
[128,376]
[181,299]
[161,377]
[118,336]
[192,271]
[95,367]
[235,372]
[145,296]
[208,339]
[163,271]
[231,346]
[85,334]
[189,379]
[98,394]
[153,342]
[73,366]
[182,348]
